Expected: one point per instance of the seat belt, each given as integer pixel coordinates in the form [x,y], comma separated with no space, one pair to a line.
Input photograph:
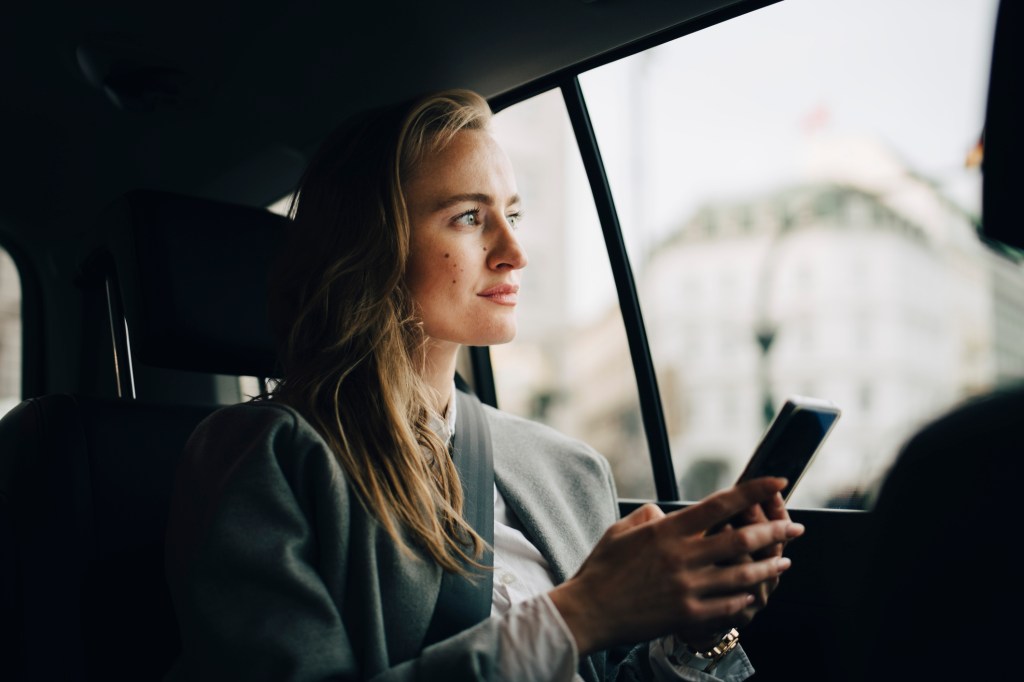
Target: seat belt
[462,603]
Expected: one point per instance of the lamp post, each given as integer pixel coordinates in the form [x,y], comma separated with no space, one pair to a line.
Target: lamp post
[765,334]
[766,331]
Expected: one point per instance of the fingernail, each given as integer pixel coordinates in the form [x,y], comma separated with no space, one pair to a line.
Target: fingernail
[794,530]
[750,599]
[782,563]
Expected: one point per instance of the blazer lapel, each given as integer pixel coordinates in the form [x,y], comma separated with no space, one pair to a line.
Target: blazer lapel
[525,492]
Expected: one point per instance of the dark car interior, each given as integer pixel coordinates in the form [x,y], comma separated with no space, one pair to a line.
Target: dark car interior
[144,143]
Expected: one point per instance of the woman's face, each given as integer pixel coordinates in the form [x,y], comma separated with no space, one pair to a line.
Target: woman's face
[464,261]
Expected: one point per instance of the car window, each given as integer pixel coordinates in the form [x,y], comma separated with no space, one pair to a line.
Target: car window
[10,333]
[569,365]
[799,192]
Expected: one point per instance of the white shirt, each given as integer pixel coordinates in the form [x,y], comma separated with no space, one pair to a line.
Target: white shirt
[535,644]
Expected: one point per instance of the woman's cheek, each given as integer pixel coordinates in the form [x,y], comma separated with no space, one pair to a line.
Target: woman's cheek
[454,267]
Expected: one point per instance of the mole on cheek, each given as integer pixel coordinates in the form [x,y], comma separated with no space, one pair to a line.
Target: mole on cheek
[446,255]
[485,248]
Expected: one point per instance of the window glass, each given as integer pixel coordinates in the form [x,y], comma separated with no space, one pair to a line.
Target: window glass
[282,205]
[10,333]
[799,192]
[248,387]
[569,365]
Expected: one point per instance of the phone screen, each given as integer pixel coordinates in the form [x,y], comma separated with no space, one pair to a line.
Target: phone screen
[789,450]
[789,445]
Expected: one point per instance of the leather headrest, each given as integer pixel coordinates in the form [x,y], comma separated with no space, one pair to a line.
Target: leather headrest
[193,281]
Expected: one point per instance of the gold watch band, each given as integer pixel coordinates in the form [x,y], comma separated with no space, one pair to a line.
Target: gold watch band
[716,653]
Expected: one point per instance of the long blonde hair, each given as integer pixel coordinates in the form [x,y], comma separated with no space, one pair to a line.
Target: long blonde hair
[351,345]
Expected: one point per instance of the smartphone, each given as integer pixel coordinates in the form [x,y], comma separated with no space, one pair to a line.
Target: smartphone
[792,440]
[790,443]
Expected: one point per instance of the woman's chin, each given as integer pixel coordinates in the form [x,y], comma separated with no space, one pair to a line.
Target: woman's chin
[495,337]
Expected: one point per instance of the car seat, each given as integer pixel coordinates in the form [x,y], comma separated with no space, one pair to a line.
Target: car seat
[85,480]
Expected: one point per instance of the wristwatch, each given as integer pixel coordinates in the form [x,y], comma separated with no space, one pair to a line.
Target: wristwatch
[716,653]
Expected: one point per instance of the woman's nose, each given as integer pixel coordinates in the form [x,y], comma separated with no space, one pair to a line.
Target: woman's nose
[505,251]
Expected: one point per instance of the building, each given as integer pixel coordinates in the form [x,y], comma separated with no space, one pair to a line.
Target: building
[881,299]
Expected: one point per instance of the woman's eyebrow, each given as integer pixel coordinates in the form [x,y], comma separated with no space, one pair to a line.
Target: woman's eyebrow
[477,197]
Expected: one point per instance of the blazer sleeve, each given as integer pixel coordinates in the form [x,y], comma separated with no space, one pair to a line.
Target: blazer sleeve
[260,592]
[625,663]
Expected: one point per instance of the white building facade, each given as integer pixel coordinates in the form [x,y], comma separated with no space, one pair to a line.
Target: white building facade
[894,311]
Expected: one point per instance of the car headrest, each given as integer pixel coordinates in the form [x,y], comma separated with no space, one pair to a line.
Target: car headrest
[192,275]
[1003,150]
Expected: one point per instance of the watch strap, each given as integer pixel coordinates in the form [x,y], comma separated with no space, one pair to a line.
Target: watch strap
[729,641]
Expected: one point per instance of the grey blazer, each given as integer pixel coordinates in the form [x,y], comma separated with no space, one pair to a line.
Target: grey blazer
[277,571]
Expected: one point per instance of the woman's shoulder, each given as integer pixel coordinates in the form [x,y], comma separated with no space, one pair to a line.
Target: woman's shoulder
[256,420]
[258,434]
[531,441]
[530,430]
[548,470]
[245,464]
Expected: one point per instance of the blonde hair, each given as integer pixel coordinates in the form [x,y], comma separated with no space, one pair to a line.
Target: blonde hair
[351,345]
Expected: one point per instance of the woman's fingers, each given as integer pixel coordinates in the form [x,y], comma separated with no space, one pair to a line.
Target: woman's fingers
[722,506]
[772,510]
[638,517]
[734,544]
[644,514]
[713,614]
[729,580]
[653,573]
[775,509]
[752,514]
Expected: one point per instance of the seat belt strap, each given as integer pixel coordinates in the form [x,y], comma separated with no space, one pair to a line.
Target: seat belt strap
[462,602]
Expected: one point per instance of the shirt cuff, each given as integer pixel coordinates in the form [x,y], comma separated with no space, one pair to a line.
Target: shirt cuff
[535,644]
[671,661]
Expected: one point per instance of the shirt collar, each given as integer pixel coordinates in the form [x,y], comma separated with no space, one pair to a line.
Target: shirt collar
[444,426]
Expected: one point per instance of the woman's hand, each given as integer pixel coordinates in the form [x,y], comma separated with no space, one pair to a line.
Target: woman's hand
[772,510]
[652,573]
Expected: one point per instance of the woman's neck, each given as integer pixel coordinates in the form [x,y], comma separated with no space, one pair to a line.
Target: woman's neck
[439,371]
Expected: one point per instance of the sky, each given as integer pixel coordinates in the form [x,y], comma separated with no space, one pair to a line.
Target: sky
[731,111]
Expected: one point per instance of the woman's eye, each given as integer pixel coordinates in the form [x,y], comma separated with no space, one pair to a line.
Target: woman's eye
[469,218]
[514,218]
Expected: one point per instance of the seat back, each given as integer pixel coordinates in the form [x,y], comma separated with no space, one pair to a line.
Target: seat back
[85,482]
[86,489]
[940,568]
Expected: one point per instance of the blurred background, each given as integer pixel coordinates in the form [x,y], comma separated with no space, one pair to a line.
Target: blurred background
[799,190]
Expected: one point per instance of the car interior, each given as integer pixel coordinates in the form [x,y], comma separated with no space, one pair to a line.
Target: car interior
[145,145]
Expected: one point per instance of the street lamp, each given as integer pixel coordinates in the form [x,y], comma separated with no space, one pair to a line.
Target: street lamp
[765,333]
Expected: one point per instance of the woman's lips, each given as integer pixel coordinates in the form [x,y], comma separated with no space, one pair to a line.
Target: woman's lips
[503,294]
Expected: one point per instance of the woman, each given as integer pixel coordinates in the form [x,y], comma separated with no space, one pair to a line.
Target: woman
[311,532]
